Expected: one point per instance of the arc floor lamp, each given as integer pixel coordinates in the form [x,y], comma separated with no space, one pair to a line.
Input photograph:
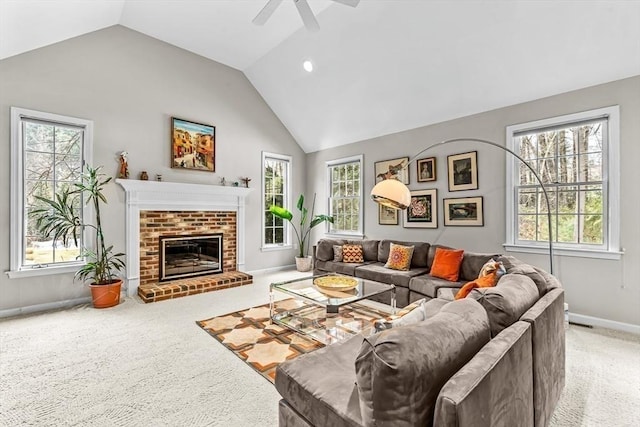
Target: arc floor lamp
[394,194]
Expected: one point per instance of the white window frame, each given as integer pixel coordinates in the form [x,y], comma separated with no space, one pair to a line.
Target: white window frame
[17,270]
[344,233]
[610,186]
[287,201]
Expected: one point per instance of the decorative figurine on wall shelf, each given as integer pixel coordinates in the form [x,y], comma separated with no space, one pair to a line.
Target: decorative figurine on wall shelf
[124,166]
[144,176]
[246,181]
[223,181]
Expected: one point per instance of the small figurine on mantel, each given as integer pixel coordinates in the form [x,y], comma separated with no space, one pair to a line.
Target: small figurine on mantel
[124,166]
[223,181]
[246,181]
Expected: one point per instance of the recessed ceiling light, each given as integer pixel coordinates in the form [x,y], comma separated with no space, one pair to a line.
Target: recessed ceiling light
[308,66]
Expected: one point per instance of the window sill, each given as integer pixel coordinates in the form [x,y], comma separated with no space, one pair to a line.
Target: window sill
[273,248]
[580,253]
[345,235]
[45,271]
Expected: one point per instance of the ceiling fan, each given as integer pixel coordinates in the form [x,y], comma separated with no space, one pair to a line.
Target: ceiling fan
[303,9]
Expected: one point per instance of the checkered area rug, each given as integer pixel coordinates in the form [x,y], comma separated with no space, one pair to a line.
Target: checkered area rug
[254,339]
[264,345]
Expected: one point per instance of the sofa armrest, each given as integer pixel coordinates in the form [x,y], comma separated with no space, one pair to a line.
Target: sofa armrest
[495,388]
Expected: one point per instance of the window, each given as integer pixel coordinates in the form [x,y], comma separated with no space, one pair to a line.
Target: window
[276,173]
[48,154]
[345,196]
[573,157]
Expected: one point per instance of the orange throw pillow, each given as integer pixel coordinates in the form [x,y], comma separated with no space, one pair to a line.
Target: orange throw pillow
[446,264]
[481,282]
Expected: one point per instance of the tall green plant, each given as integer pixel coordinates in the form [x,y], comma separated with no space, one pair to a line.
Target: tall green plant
[59,219]
[305,228]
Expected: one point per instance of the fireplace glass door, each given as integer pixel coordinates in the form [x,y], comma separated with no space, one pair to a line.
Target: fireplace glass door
[188,256]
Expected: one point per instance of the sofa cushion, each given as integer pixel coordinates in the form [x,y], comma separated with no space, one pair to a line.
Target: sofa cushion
[322,399]
[420,252]
[324,249]
[447,294]
[369,248]
[431,253]
[446,264]
[507,301]
[399,257]
[428,285]
[400,371]
[352,253]
[515,266]
[472,263]
[337,267]
[378,273]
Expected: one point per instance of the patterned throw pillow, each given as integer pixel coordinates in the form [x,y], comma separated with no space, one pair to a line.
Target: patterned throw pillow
[337,253]
[352,253]
[399,257]
[446,264]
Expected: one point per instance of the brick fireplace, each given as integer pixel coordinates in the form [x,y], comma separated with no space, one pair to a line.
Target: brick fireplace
[156,210]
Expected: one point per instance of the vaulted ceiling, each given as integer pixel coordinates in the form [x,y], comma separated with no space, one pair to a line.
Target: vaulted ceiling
[381,67]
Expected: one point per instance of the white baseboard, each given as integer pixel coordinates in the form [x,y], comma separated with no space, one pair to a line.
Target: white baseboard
[10,312]
[604,323]
[271,269]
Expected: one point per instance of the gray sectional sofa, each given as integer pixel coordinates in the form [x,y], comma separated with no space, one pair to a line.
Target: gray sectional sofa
[495,358]
[411,285]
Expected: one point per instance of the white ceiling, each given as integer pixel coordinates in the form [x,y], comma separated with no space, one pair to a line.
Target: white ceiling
[383,67]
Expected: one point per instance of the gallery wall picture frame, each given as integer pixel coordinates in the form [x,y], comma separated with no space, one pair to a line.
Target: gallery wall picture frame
[387,215]
[463,171]
[423,210]
[426,169]
[464,211]
[392,169]
[193,145]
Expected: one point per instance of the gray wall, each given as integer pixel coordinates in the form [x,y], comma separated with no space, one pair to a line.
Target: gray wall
[130,85]
[603,289]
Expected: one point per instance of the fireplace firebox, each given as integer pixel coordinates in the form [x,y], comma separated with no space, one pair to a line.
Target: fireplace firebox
[189,256]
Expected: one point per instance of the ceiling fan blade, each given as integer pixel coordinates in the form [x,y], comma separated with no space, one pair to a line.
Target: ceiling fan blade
[266,12]
[352,3]
[307,15]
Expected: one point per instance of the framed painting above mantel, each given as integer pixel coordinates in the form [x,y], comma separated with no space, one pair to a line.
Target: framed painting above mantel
[193,145]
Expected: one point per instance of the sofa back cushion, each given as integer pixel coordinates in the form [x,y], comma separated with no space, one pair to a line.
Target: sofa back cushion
[506,302]
[515,266]
[400,371]
[472,263]
[420,252]
[324,248]
[369,248]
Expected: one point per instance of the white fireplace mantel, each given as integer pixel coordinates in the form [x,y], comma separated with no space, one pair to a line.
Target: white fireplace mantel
[161,195]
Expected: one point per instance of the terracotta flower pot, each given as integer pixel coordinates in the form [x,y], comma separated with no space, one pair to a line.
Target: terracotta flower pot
[107,295]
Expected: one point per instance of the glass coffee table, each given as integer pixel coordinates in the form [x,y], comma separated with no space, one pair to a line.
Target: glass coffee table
[329,308]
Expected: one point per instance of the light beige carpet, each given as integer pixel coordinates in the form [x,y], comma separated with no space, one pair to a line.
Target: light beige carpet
[151,365]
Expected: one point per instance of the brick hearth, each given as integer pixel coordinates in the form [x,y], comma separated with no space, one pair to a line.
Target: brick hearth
[154,224]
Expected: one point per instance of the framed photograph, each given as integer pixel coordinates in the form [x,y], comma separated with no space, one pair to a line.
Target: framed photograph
[426,169]
[463,171]
[387,215]
[464,211]
[392,169]
[193,145]
[423,210]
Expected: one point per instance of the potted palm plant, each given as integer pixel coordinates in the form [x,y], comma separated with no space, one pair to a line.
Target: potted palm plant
[59,219]
[303,261]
